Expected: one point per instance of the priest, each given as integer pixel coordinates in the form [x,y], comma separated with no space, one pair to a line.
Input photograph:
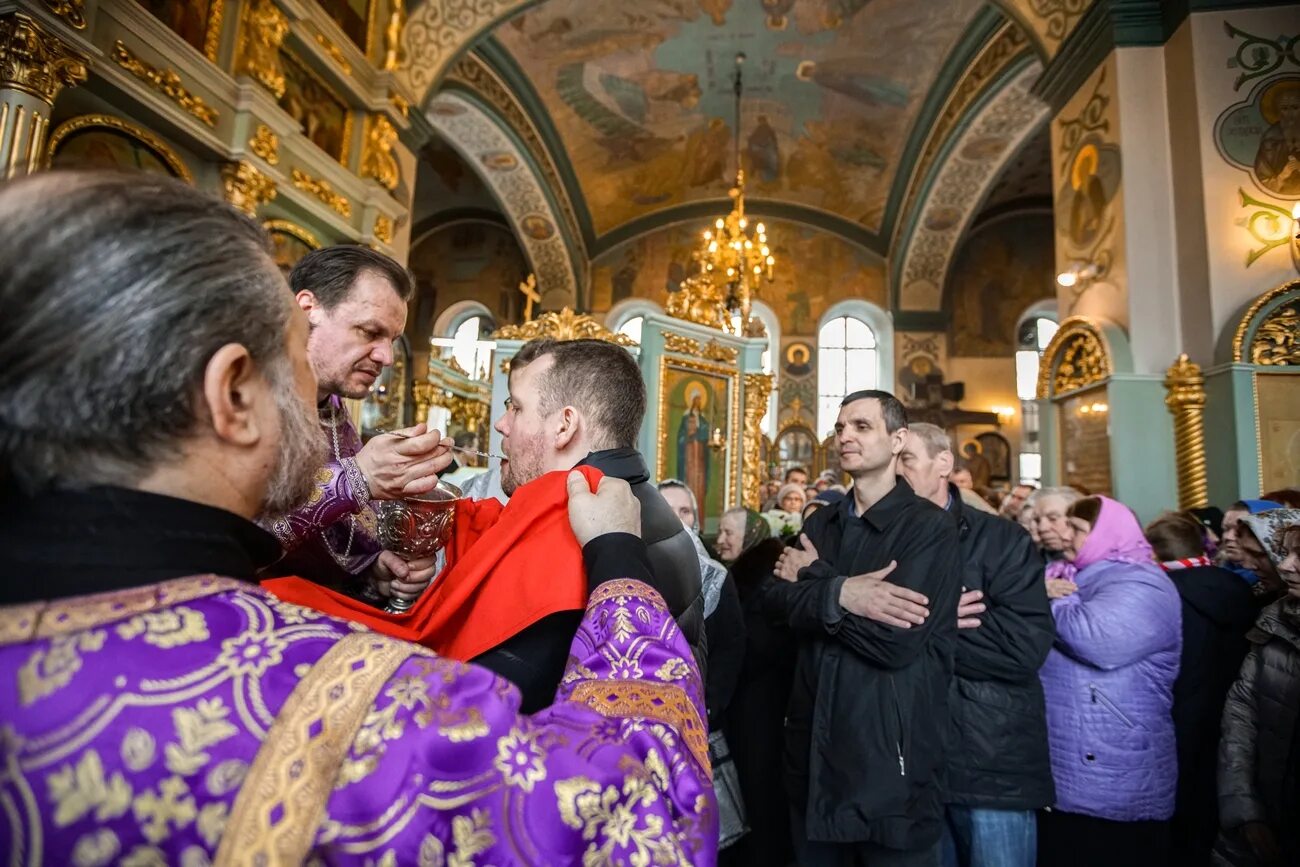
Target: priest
[158,706]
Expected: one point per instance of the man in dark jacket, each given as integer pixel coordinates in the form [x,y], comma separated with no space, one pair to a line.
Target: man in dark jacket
[581,402]
[868,723]
[1000,771]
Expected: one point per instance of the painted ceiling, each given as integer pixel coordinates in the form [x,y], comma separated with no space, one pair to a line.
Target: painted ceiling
[640,96]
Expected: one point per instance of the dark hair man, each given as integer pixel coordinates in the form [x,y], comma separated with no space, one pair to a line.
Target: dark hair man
[155,394]
[355,300]
[581,403]
[868,714]
[796,476]
[1000,770]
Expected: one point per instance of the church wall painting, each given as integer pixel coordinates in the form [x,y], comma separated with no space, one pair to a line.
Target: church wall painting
[831,90]
[471,260]
[696,402]
[321,113]
[188,19]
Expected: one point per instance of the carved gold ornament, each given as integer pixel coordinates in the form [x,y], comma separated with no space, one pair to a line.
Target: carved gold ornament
[701,301]
[322,190]
[71,11]
[1186,401]
[166,82]
[564,325]
[265,144]
[36,62]
[758,388]
[212,37]
[90,121]
[245,187]
[399,102]
[1276,340]
[1076,358]
[715,351]
[393,54]
[674,342]
[265,27]
[384,229]
[335,54]
[377,159]
[294,230]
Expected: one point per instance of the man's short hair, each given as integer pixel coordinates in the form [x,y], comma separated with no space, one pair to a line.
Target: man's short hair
[1176,537]
[795,470]
[890,407]
[936,439]
[330,272]
[114,301]
[601,379]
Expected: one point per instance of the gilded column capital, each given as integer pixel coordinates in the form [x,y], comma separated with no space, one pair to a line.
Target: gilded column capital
[35,61]
[263,31]
[245,187]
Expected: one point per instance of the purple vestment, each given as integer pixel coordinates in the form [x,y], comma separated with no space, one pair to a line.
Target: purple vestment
[332,536]
[203,721]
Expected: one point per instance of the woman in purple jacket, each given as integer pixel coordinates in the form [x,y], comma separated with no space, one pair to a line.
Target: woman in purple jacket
[1109,688]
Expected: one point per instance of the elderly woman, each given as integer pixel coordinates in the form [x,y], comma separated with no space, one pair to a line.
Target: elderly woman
[1255,557]
[1109,682]
[1259,764]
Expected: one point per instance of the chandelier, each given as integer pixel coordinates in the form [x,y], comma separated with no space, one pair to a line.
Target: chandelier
[734,254]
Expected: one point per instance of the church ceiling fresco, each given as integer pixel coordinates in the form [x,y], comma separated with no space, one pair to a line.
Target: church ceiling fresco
[817,269]
[641,96]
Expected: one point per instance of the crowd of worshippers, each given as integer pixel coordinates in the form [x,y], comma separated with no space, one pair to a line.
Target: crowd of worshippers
[879,668]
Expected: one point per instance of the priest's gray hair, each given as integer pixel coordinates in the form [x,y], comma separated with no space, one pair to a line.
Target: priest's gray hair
[116,290]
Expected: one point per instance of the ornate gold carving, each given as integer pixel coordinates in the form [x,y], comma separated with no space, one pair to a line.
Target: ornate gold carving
[383,229]
[399,102]
[393,54]
[292,229]
[212,36]
[85,121]
[674,342]
[265,144]
[1276,339]
[377,160]
[322,190]
[245,187]
[1076,358]
[715,351]
[265,27]
[166,82]
[702,301]
[1186,401]
[758,388]
[469,413]
[36,62]
[71,11]
[335,54]
[565,325]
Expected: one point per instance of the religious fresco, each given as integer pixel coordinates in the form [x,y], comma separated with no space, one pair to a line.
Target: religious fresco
[697,405]
[815,269]
[1050,20]
[919,357]
[320,112]
[832,88]
[116,147]
[188,19]
[1262,136]
[1000,270]
[445,182]
[471,260]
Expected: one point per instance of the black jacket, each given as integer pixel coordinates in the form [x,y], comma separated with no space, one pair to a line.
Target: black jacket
[868,722]
[1000,760]
[672,553]
[1218,611]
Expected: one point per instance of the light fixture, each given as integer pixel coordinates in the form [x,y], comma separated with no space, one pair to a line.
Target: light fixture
[734,253]
[1079,272]
[1094,409]
[1004,413]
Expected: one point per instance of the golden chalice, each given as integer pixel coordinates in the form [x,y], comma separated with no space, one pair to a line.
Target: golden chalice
[418,527]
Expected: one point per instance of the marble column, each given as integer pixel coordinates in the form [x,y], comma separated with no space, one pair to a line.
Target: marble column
[35,65]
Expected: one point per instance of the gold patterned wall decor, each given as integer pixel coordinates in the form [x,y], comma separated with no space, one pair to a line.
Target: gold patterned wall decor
[564,325]
[1077,357]
[322,190]
[165,81]
[674,342]
[106,141]
[334,53]
[36,62]
[377,160]
[1268,333]
[245,187]
[264,28]
[383,229]
[758,388]
[71,11]
[265,144]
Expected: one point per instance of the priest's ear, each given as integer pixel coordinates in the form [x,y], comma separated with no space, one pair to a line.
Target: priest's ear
[235,394]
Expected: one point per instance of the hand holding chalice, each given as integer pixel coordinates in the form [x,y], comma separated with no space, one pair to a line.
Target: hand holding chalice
[417,528]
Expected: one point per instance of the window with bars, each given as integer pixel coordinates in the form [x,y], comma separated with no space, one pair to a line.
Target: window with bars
[847,361]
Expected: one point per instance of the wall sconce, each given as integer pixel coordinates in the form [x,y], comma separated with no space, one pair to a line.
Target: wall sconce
[1004,413]
[1079,273]
[1094,409]
[716,440]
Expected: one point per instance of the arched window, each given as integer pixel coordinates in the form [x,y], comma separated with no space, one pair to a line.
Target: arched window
[1037,328]
[628,316]
[771,355]
[854,351]
[462,333]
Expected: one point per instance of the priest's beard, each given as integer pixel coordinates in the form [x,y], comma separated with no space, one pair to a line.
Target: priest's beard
[302,449]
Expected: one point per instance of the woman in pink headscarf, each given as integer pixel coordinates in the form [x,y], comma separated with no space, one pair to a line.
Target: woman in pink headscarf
[1109,682]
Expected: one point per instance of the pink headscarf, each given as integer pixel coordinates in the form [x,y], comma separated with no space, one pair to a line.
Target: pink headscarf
[1117,535]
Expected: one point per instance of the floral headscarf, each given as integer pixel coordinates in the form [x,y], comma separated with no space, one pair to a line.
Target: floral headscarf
[1269,528]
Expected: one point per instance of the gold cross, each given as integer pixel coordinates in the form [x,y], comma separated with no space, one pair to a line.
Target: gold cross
[532,296]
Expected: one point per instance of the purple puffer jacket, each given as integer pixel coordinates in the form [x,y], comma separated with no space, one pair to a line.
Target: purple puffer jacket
[1109,687]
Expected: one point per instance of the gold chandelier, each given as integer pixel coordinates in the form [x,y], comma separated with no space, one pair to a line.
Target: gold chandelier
[734,254]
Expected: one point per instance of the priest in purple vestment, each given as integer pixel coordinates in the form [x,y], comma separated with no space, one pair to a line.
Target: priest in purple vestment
[156,707]
[356,304]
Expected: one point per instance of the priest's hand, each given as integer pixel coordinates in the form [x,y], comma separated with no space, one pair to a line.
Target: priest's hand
[794,559]
[613,508]
[405,579]
[873,597]
[404,463]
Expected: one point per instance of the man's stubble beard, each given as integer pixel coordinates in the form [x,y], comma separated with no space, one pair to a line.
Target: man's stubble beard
[523,467]
[301,454]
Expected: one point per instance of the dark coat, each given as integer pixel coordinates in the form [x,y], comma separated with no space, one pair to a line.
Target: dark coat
[1001,760]
[869,725]
[1218,610]
[725,631]
[672,553]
